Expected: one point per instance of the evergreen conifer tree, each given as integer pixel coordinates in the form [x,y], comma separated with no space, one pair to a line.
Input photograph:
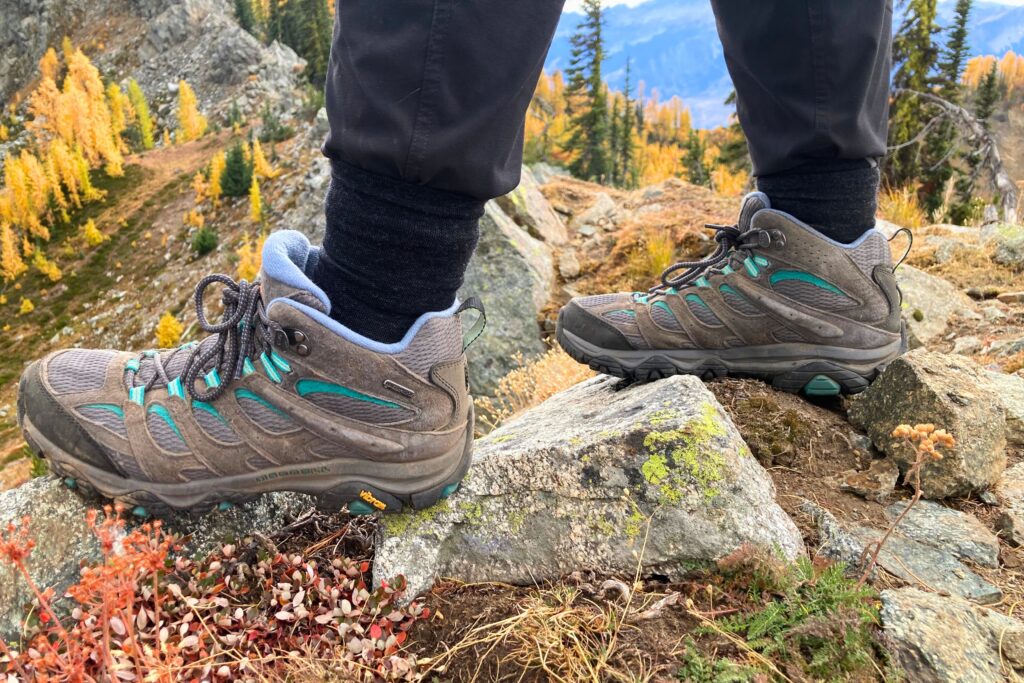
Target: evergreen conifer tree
[237,177]
[696,169]
[626,151]
[915,56]
[988,95]
[244,15]
[588,100]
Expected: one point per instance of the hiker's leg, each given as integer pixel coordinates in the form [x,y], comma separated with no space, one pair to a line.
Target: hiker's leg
[812,86]
[784,302]
[426,101]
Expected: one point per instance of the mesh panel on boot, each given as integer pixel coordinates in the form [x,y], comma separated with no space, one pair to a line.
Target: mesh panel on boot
[103,417]
[596,300]
[786,335]
[215,427]
[738,302]
[262,414]
[78,370]
[702,312]
[621,317]
[873,251]
[164,435]
[360,410]
[438,341]
[664,318]
[812,295]
[126,464]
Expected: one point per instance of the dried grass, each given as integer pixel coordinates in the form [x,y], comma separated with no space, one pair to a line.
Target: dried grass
[900,206]
[529,385]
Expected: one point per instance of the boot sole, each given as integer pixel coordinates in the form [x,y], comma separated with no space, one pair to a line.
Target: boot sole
[358,485]
[812,369]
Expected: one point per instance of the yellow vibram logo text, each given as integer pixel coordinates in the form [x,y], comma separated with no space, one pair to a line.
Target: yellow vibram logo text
[372,500]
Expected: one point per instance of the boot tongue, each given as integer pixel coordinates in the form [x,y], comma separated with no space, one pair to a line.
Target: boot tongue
[752,203]
[289,262]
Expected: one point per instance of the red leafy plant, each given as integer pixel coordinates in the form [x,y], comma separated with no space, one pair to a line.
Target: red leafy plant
[147,613]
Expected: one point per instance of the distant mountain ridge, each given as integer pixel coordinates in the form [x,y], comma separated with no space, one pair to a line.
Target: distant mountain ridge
[674,48]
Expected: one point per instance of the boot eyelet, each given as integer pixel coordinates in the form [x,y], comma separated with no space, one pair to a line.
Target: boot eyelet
[302,350]
[298,336]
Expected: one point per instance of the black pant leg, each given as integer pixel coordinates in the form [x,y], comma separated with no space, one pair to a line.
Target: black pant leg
[811,77]
[435,92]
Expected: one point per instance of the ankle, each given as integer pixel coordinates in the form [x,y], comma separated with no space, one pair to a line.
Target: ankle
[392,251]
[838,198]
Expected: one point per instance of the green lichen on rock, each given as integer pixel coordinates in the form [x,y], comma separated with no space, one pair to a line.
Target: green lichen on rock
[680,459]
[411,522]
[660,417]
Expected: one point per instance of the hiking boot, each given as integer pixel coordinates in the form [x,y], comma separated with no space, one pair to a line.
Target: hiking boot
[776,300]
[280,397]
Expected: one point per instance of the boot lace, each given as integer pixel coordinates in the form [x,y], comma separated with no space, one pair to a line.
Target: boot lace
[242,330]
[733,245]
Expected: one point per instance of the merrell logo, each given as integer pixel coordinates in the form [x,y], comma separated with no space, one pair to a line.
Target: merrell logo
[297,472]
[372,500]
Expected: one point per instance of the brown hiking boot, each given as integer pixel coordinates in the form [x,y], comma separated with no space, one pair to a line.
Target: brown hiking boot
[279,398]
[777,300]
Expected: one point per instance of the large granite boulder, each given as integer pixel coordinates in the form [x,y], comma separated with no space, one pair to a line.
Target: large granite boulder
[513,274]
[596,478]
[938,639]
[928,304]
[953,393]
[529,208]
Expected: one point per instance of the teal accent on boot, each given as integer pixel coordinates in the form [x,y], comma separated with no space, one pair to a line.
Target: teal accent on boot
[751,267]
[696,299]
[206,407]
[165,415]
[225,506]
[137,395]
[280,362]
[212,379]
[782,275]
[701,282]
[109,407]
[247,368]
[304,387]
[448,490]
[140,512]
[175,388]
[822,385]
[727,269]
[70,482]
[132,365]
[245,393]
[269,368]
[358,507]
[761,261]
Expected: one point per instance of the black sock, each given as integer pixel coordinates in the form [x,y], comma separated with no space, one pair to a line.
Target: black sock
[393,250]
[837,198]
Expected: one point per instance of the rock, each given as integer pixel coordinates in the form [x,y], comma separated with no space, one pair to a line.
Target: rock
[544,173]
[951,392]
[875,483]
[1008,241]
[887,228]
[64,541]
[573,482]
[529,208]
[513,274]
[956,532]
[322,125]
[1010,390]
[966,346]
[1010,491]
[928,304]
[907,559]
[983,293]
[568,265]
[603,214]
[1011,297]
[939,639]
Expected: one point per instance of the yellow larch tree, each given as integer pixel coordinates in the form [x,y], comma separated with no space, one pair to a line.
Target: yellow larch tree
[214,189]
[250,257]
[191,123]
[255,201]
[11,263]
[46,266]
[199,186]
[260,165]
[92,235]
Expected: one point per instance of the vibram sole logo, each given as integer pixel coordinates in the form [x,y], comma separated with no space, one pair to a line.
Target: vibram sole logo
[372,500]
